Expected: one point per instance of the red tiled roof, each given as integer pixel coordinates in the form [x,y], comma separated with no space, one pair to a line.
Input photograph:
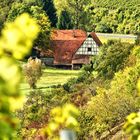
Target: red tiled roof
[66,42]
[68,35]
[96,39]
[65,49]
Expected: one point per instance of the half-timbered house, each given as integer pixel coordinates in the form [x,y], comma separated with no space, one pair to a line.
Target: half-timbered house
[74,47]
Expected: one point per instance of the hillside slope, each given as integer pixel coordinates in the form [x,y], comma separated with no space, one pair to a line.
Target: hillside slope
[116,3]
[111,16]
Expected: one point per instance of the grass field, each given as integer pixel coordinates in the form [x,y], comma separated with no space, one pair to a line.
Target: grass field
[50,77]
[53,76]
[104,37]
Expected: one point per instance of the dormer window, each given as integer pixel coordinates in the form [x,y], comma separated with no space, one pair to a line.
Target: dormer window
[89,49]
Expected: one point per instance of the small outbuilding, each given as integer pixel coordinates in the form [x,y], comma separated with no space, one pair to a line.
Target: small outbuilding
[73,48]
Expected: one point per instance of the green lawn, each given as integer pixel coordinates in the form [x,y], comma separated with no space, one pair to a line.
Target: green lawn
[50,77]
[104,37]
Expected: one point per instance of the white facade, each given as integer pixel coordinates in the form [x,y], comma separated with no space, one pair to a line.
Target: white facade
[89,47]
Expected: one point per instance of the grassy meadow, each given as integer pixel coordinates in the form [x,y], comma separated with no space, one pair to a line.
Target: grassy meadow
[122,37]
[51,77]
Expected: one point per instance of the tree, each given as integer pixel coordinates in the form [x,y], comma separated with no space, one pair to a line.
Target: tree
[47,7]
[16,10]
[32,71]
[39,14]
[103,28]
[64,21]
[111,58]
[50,10]
[75,8]
[5,6]
[43,20]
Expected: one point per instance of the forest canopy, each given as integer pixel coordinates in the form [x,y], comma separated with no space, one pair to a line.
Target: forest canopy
[110,16]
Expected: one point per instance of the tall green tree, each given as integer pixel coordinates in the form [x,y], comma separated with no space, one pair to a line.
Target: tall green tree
[64,21]
[76,9]
[39,14]
[49,8]
[111,58]
[5,6]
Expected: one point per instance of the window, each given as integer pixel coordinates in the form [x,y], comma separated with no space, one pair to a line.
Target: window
[89,49]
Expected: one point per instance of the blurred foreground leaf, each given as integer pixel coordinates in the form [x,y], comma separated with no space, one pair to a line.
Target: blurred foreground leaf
[16,41]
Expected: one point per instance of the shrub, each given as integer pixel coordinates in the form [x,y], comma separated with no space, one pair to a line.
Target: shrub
[32,71]
[34,113]
[108,110]
[82,77]
[110,106]
[86,125]
[125,81]
[81,97]
[88,68]
[103,28]
[68,86]
[58,97]
[136,52]
[132,125]
[111,58]
[130,61]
